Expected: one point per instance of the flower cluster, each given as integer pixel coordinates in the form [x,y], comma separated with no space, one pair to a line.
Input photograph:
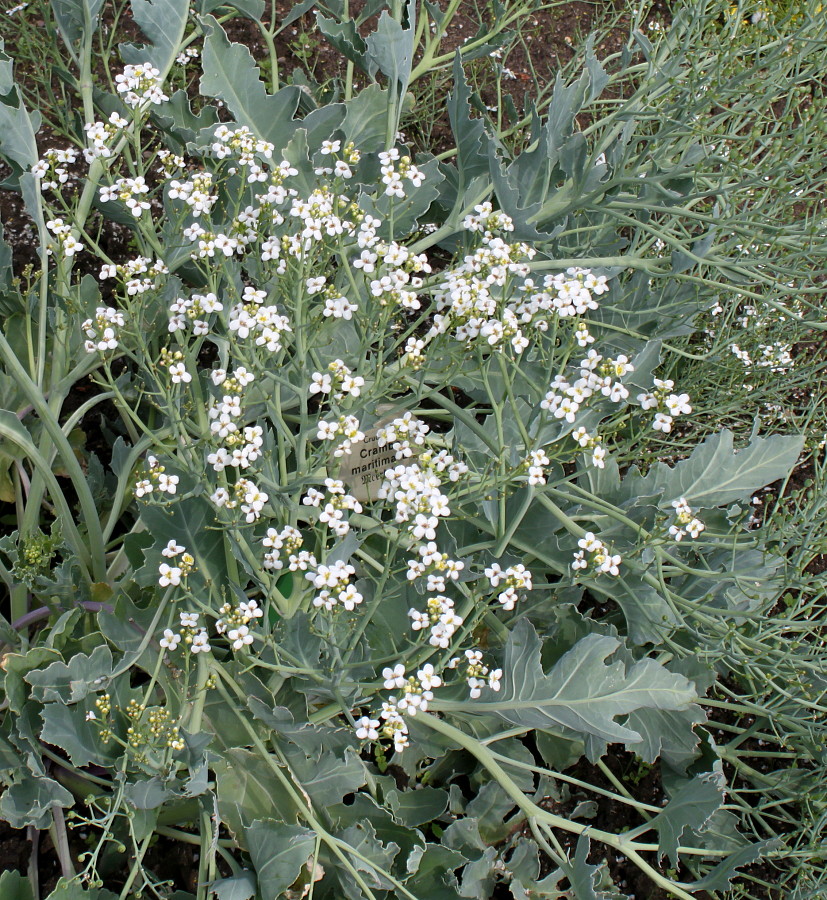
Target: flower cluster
[333,583]
[346,427]
[401,433]
[195,193]
[394,176]
[51,168]
[244,492]
[440,617]
[140,86]
[100,134]
[334,506]
[338,381]
[685,521]
[156,477]
[591,442]
[102,331]
[342,166]
[194,311]
[251,316]
[596,377]
[151,727]
[601,559]
[477,674]
[667,404]
[288,539]
[515,579]
[235,622]
[129,191]
[172,575]
[69,245]
[129,274]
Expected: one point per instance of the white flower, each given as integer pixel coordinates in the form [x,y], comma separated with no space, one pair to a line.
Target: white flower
[395,677]
[200,642]
[240,637]
[366,728]
[178,373]
[170,640]
[169,575]
[662,422]
[167,483]
[172,549]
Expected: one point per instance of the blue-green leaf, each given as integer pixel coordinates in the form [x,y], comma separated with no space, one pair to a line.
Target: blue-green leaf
[230,74]
[70,16]
[72,681]
[278,852]
[581,694]
[241,886]
[163,22]
[13,886]
[689,810]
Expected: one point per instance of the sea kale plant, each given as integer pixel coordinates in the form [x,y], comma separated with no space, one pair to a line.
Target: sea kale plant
[331,555]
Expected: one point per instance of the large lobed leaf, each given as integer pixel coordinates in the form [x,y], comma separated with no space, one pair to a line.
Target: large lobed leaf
[581,694]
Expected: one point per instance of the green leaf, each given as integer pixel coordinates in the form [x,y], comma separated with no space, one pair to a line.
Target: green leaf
[70,17]
[190,522]
[29,801]
[16,666]
[6,70]
[668,734]
[69,683]
[390,48]
[164,23]
[581,694]
[278,852]
[716,474]
[583,877]
[13,886]
[413,808]
[248,790]
[361,836]
[491,807]
[241,886]
[66,727]
[17,130]
[231,75]
[471,138]
[720,877]
[689,810]
[345,38]
[252,9]
[366,117]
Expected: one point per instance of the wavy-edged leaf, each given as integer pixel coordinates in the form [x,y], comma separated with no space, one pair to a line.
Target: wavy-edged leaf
[241,886]
[278,852]
[163,22]
[252,9]
[73,889]
[67,727]
[71,682]
[70,16]
[248,789]
[720,877]
[689,810]
[17,130]
[30,800]
[716,474]
[231,75]
[390,48]
[13,886]
[581,694]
